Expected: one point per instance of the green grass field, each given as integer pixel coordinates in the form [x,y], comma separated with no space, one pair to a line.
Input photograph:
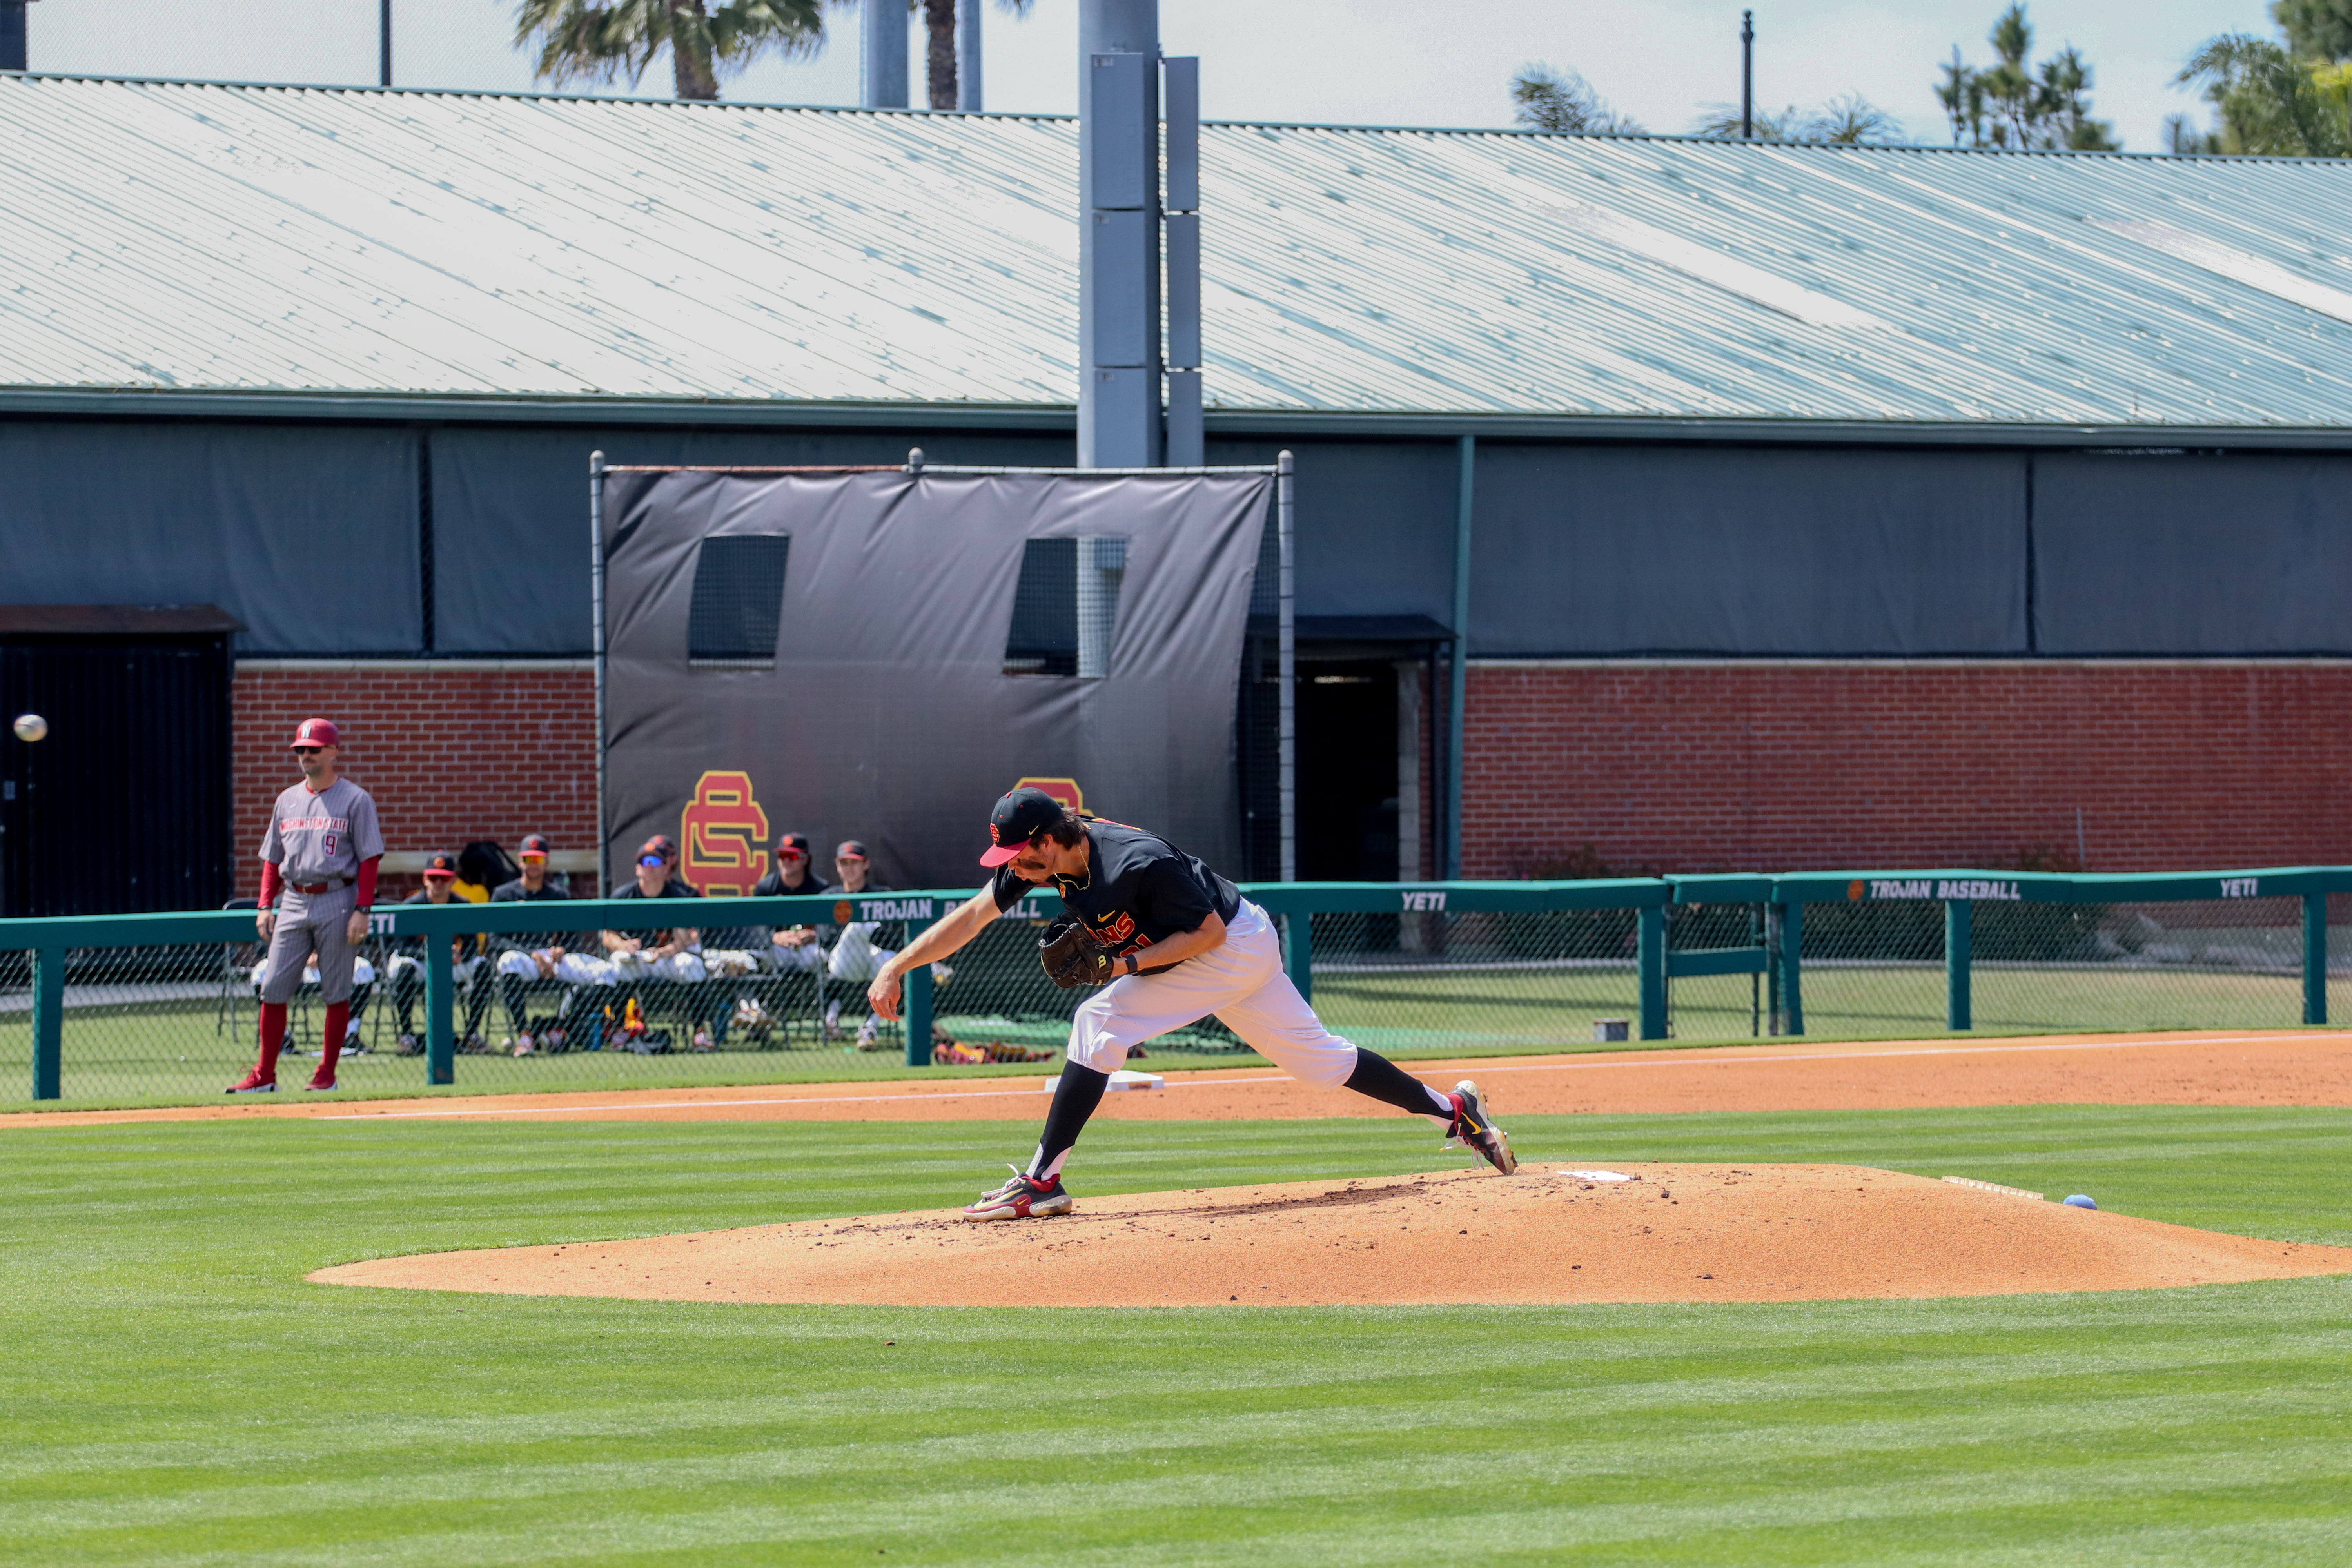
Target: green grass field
[174,1394]
[175,1054]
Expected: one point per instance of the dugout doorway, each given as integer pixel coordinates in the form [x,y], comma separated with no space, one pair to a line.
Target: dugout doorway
[1364,739]
[124,806]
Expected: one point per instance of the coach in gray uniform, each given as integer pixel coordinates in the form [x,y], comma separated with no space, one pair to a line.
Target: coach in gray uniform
[318,877]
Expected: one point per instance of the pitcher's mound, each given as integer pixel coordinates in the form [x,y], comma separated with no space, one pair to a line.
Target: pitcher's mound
[1673,1233]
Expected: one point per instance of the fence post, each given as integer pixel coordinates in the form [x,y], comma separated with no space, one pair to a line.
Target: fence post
[48,1021]
[916,1010]
[1959,925]
[440,1010]
[1650,959]
[1792,989]
[2314,958]
[1298,952]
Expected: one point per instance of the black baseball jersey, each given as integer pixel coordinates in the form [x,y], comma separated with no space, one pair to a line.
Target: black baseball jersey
[771,885]
[672,888]
[1137,888]
[413,946]
[514,892]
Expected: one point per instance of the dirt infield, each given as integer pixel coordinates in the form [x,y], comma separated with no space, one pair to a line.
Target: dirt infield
[2207,1068]
[1551,1235]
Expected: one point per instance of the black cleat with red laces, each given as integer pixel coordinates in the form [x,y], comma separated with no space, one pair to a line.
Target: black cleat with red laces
[1474,1129]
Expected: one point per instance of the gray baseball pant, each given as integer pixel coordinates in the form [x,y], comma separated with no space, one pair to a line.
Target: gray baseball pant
[308,923]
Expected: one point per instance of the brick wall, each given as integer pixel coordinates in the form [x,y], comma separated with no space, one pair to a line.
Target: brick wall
[1664,767]
[449,754]
[1825,766]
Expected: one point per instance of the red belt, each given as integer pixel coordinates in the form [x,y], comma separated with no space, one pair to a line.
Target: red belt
[315,888]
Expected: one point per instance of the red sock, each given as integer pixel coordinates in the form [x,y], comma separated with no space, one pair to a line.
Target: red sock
[273,1037]
[330,1045]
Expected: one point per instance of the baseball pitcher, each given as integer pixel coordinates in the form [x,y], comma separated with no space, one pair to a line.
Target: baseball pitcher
[1167,942]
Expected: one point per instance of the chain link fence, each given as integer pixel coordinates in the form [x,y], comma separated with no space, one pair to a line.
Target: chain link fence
[177,1021]
[1444,983]
[1879,968]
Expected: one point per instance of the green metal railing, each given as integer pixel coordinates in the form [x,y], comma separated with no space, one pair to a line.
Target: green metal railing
[1409,968]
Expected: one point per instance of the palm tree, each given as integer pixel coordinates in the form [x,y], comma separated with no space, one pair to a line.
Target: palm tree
[1962,92]
[2316,29]
[1852,121]
[939,46]
[603,40]
[1544,99]
[2013,103]
[2270,100]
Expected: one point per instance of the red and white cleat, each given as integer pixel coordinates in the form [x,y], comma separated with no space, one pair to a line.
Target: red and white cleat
[1023,1197]
[254,1083]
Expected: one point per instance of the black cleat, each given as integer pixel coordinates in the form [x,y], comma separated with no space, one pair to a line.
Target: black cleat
[1472,1129]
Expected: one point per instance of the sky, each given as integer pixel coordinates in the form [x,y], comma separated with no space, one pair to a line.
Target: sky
[1357,62]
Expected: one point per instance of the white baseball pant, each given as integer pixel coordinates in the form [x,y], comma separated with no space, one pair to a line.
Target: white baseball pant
[807,958]
[1241,981]
[461,971]
[854,956]
[572,968]
[683,967]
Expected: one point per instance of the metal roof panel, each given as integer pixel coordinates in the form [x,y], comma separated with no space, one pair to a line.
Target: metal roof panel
[198,237]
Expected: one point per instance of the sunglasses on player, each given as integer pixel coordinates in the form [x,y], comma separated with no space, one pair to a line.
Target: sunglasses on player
[651,860]
[308,751]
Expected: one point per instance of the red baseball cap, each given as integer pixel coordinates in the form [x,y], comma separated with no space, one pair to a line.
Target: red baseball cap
[316,732]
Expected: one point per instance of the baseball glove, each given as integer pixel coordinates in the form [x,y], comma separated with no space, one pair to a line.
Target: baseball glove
[1073,957]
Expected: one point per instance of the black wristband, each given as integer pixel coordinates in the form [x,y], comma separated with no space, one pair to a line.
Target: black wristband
[1129,959]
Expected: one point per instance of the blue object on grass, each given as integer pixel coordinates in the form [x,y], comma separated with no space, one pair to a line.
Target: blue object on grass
[2080,1200]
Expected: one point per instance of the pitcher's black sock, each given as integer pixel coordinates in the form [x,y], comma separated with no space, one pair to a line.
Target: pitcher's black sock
[1392,1085]
[1075,1098]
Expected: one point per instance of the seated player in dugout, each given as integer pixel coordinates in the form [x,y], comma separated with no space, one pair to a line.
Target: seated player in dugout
[1169,942]
[793,948]
[669,954]
[527,957]
[440,879]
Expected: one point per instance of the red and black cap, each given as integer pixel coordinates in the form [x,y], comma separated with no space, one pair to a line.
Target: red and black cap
[441,866]
[1018,818]
[793,844]
[660,846]
[851,849]
[316,732]
[534,843]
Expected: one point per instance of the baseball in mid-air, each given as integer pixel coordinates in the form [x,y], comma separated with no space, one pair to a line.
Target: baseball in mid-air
[31,726]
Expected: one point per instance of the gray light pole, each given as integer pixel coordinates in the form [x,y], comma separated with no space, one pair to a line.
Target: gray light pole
[882,53]
[1118,234]
[1748,74]
[383,43]
[968,61]
[13,51]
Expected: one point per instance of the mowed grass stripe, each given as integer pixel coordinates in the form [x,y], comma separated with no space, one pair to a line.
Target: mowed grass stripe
[174,1394]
